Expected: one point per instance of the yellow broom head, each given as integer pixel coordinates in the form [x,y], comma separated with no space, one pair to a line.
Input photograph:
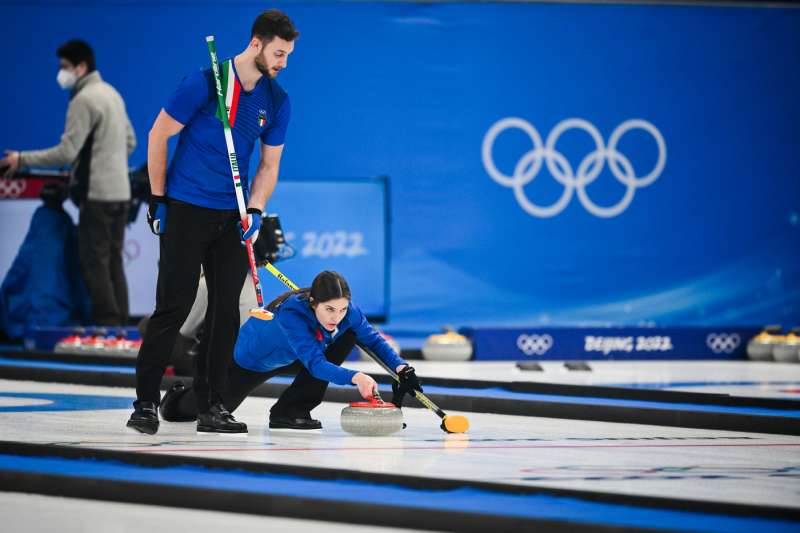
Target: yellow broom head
[455,424]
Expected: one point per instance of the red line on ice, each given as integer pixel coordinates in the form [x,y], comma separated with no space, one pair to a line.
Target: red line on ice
[444,447]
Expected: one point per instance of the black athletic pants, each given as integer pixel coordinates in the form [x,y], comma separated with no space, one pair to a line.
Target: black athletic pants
[304,394]
[101,238]
[195,236]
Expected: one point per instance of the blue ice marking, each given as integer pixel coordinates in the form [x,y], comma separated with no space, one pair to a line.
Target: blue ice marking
[65,402]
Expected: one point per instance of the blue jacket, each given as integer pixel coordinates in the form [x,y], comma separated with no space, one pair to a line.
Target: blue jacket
[295,333]
[44,286]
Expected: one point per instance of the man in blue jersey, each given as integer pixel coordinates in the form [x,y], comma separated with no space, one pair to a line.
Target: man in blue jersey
[193,210]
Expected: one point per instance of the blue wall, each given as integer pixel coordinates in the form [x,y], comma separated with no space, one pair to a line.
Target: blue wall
[410,91]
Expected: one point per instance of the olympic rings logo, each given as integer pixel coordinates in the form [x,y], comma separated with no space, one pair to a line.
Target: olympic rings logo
[529,165]
[723,342]
[534,344]
[12,188]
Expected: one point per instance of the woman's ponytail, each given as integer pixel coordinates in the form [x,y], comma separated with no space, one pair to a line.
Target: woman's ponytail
[282,298]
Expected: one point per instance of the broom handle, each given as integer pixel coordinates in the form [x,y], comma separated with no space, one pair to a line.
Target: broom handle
[424,400]
[234,164]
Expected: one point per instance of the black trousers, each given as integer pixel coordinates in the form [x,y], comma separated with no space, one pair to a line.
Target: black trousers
[101,238]
[195,236]
[297,401]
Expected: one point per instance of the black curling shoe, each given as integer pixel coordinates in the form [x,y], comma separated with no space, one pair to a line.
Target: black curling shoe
[144,418]
[283,422]
[219,420]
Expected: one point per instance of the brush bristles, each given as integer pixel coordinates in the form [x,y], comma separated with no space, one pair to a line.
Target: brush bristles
[455,424]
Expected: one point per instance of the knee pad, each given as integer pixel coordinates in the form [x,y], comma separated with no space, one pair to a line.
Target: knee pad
[170,406]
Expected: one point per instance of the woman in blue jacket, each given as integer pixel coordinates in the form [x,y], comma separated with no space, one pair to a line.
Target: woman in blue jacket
[314,329]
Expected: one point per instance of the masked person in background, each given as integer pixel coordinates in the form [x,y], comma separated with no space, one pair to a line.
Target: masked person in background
[98,138]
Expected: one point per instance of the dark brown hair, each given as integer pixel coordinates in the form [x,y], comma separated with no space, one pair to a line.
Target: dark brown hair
[271,23]
[328,285]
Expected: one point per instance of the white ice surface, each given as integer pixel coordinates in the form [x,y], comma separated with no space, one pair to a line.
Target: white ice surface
[634,459]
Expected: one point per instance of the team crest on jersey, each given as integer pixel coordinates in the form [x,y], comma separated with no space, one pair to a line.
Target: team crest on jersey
[262,118]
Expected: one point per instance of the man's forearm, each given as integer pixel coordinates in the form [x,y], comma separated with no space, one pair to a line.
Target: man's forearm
[157,164]
[60,155]
[263,185]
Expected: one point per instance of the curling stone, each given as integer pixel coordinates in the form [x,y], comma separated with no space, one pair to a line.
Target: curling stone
[72,344]
[374,418]
[760,347]
[98,342]
[116,345]
[448,346]
[364,356]
[788,350]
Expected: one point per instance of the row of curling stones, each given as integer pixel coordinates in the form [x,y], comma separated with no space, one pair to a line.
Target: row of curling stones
[99,342]
[772,345]
[374,418]
[447,346]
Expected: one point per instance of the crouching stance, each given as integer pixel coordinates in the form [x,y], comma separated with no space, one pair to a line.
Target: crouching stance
[313,331]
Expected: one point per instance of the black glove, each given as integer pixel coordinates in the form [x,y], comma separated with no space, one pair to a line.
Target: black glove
[157,214]
[408,382]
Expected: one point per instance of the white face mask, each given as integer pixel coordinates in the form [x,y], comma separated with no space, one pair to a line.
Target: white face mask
[66,79]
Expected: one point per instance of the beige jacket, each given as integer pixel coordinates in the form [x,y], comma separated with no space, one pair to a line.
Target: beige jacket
[98,138]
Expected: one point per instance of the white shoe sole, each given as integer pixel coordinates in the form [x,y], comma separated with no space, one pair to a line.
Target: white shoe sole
[133,431]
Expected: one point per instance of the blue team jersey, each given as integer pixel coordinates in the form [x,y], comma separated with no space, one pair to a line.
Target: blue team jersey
[199,172]
[295,333]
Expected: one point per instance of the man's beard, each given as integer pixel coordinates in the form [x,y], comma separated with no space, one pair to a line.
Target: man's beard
[263,68]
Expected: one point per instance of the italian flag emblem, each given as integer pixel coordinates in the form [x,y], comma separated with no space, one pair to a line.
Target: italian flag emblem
[231,88]
[262,118]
